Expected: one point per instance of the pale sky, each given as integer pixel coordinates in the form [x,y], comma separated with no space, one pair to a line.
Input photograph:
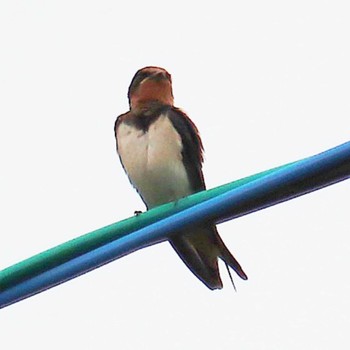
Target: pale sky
[266,83]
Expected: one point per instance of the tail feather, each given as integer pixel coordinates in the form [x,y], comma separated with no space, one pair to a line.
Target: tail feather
[200,251]
[202,266]
[230,260]
[231,278]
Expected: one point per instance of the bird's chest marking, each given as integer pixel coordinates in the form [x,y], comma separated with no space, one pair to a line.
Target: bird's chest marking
[153,161]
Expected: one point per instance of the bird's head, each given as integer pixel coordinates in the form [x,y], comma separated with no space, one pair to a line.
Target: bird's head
[150,85]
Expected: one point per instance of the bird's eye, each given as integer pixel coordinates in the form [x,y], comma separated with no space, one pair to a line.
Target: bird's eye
[139,78]
[136,81]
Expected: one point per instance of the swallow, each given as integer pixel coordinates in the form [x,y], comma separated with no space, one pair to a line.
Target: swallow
[162,153]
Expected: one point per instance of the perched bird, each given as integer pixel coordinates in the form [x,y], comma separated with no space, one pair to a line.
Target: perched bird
[162,154]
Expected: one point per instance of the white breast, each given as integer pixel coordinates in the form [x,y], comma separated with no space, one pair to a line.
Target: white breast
[153,161]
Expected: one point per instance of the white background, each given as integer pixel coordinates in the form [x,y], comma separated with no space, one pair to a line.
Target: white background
[266,82]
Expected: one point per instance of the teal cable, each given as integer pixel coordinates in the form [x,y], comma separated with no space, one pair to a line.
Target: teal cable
[64,252]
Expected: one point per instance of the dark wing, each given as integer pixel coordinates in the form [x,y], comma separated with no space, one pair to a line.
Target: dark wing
[116,124]
[192,152]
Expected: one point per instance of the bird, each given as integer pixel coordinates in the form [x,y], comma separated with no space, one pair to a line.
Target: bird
[161,152]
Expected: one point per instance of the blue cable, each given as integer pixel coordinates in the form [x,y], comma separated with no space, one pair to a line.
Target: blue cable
[295,180]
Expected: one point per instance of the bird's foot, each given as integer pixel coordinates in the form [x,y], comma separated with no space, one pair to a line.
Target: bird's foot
[137,212]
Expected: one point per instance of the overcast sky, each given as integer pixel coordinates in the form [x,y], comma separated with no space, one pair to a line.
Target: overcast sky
[265,82]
